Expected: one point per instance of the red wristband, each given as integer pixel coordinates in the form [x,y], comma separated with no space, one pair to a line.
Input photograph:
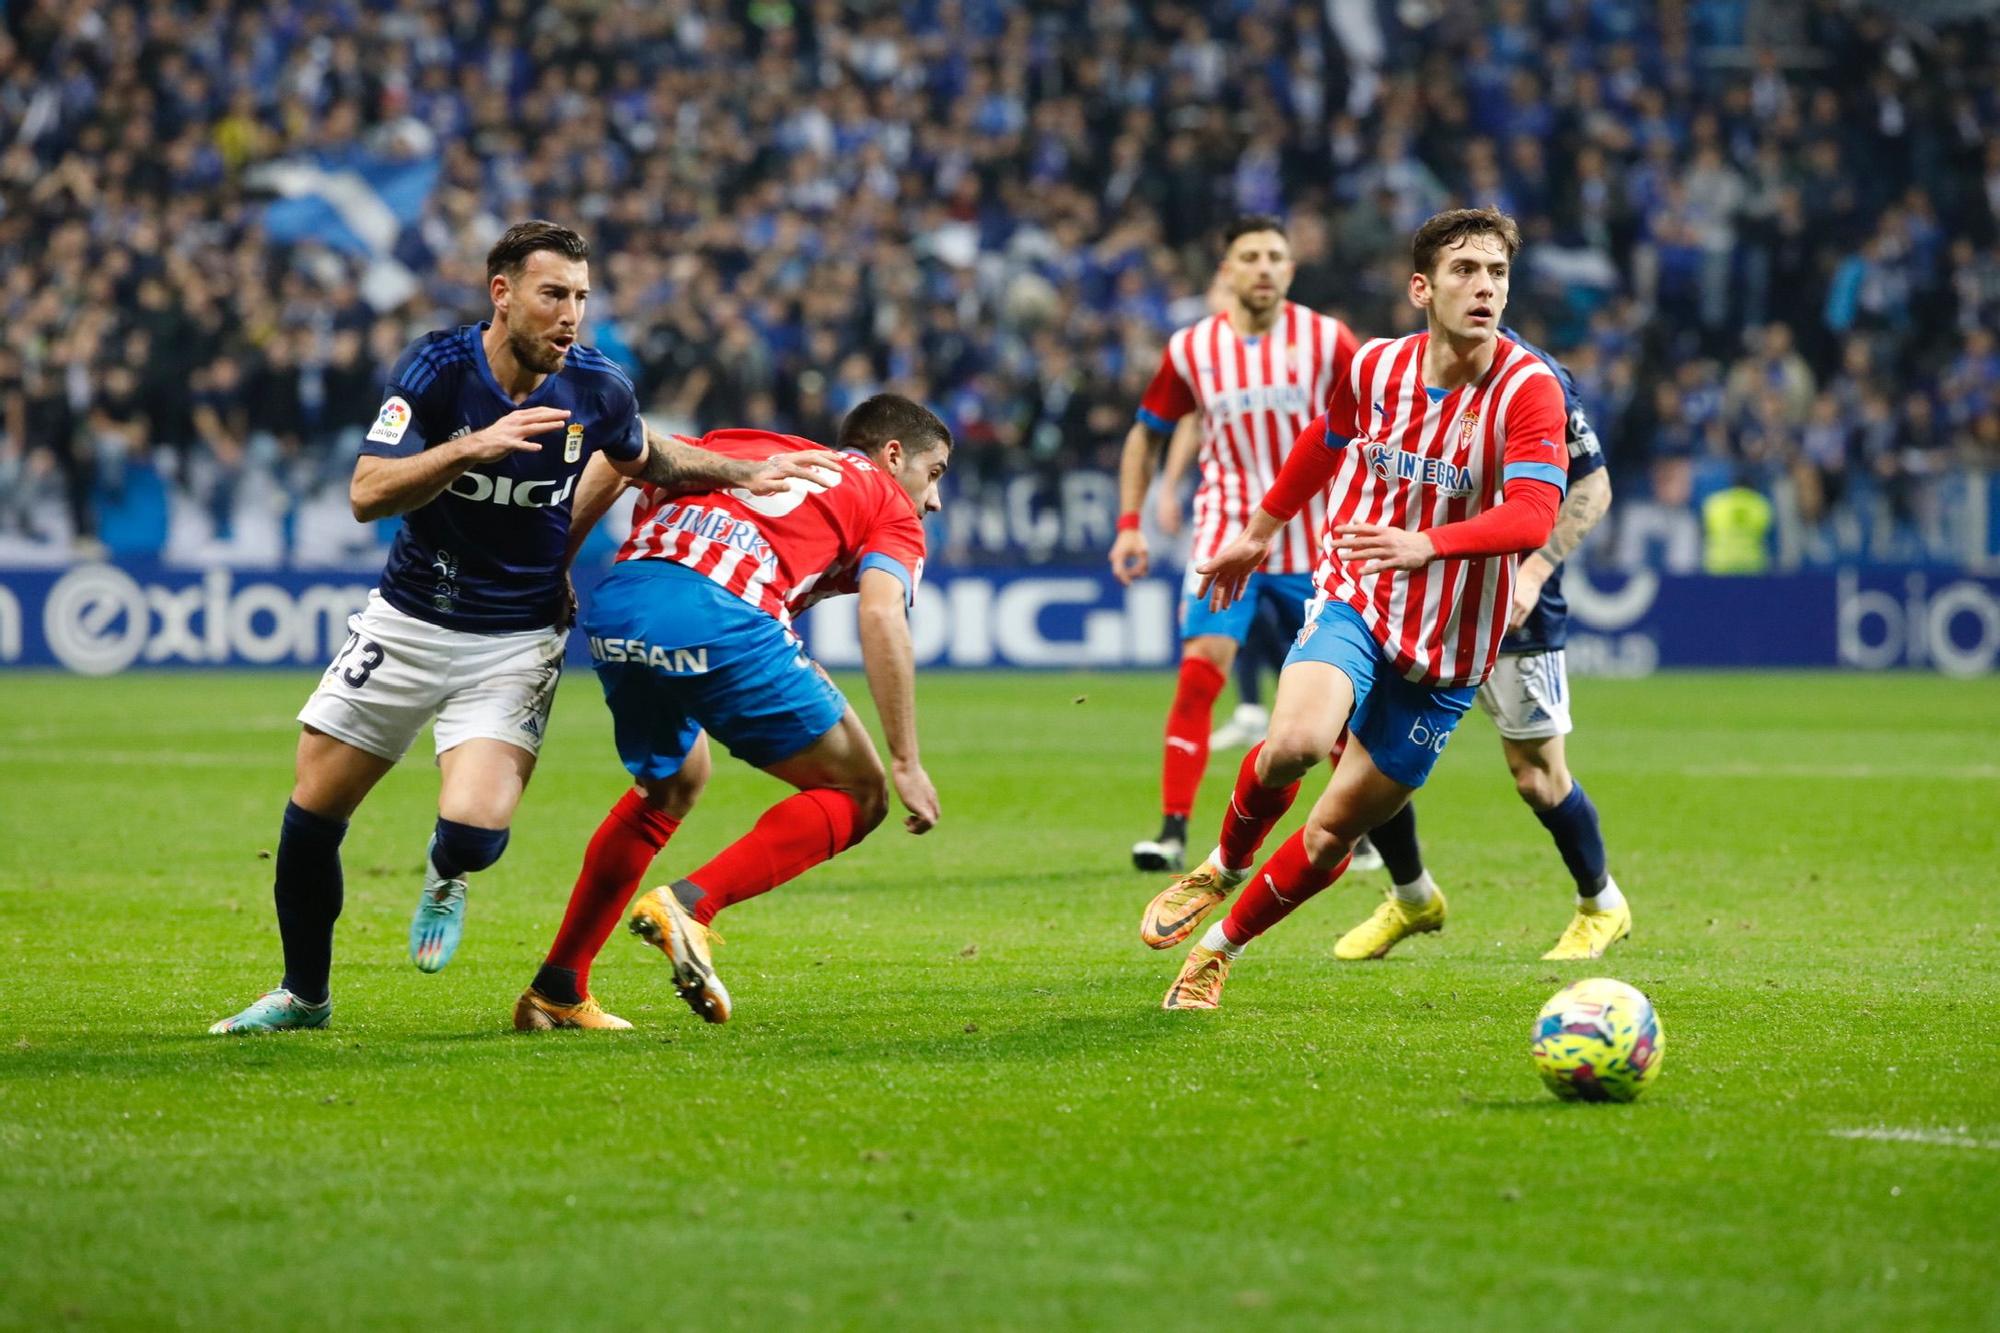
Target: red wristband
[1128,522]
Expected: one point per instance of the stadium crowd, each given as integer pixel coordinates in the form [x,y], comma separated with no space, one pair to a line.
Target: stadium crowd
[1766,238]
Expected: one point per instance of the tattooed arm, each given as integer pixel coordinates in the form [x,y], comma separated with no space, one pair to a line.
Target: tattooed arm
[1589,496]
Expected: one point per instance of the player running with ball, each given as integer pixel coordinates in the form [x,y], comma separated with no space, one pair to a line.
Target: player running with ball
[1444,450]
[1527,696]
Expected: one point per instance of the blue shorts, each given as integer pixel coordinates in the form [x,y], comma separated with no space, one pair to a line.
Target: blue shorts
[1286,593]
[678,654]
[1401,724]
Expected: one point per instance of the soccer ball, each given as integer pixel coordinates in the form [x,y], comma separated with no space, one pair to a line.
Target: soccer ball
[1598,1041]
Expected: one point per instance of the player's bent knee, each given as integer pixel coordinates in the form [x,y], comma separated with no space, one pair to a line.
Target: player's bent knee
[1541,790]
[1327,845]
[871,800]
[1289,753]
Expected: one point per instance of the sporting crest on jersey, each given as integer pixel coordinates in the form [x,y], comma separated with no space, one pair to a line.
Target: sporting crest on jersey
[1467,424]
[573,443]
[391,422]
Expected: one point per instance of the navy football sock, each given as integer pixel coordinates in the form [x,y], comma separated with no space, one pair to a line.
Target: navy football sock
[1396,838]
[1573,824]
[459,849]
[308,892]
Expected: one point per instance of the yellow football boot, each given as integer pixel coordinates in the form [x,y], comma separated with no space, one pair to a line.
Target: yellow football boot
[1173,915]
[536,1012]
[1199,986]
[661,921]
[1394,921]
[1591,933]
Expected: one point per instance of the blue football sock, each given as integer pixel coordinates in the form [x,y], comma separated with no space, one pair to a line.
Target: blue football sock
[459,849]
[309,892]
[1573,824]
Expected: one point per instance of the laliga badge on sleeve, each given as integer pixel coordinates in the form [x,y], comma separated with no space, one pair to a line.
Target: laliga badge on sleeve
[572,444]
[391,422]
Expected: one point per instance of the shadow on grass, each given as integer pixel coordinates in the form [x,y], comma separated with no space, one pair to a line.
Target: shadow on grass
[1519,1105]
[1085,1029]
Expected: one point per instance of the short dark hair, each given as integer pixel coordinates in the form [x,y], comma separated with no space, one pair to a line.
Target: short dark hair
[889,416]
[1448,228]
[510,253]
[1245,223]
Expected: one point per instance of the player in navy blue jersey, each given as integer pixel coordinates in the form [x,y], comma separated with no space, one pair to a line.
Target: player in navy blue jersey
[1527,696]
[482,434]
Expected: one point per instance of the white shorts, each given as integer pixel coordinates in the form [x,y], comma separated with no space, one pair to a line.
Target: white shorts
[395,673]
[1527,696]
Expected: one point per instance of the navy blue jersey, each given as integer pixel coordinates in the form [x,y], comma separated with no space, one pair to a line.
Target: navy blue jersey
[487,555]
[1547,626]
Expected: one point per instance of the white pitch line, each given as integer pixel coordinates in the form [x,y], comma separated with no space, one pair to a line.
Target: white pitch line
[1935,1137]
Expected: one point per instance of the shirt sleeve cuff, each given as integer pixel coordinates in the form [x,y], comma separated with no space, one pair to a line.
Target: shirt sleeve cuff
[633,445]
[1547,472]
[1154,421]
[890,565]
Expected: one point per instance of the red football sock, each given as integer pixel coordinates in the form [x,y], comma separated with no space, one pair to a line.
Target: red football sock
[1285,881]
[1253,809]
[619,852]
[790,838]
[1188,724]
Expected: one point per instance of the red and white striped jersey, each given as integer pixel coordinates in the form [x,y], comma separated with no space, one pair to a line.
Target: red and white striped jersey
[1419,460]
[783,552]
[1255,395]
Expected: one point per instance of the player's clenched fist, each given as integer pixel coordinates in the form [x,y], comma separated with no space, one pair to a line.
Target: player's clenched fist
[512,434]
[919,797]
[1129,557]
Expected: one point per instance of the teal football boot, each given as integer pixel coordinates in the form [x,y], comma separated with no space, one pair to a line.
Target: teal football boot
[439,922]
[276,1011]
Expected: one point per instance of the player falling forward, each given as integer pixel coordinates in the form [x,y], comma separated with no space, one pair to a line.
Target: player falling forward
[1420,442]
[1527,697]
[1256,371]
[479,442]
[691,634]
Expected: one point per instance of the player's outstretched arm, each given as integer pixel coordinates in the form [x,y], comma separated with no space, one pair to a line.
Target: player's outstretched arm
[891,666]
[1588,499]
[1129,557]
[683,469]
[385,487]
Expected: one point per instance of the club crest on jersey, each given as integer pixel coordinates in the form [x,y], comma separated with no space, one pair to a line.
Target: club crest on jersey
[1403,465]
[1467,424]
[573,443]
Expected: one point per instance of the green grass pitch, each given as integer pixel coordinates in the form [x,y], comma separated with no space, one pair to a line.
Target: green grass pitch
[950,1098]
